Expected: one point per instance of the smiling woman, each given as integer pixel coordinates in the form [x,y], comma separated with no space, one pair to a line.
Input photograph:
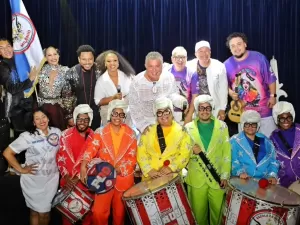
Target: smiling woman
[39,174]
[114,82]
[53,94]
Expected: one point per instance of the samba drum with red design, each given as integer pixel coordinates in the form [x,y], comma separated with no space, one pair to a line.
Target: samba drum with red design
[73,204]
[159,201]
[248,204]
[101,176]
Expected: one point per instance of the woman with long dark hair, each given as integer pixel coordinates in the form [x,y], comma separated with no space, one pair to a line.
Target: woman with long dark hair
[53,90]
[39,175]
[114,82]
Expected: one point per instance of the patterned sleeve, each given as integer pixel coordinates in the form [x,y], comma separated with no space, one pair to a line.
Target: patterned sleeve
[93,147]
[61,157]
[237,167]
[273,163]
[183,154]
[226,147]
[68,97]
[143,159]
[130,160]
[267,73]
[136,108]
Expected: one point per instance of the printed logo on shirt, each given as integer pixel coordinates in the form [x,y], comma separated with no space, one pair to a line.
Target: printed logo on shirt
[53,139]
[247,89]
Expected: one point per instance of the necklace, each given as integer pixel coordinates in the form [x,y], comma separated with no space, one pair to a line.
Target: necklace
[91,79]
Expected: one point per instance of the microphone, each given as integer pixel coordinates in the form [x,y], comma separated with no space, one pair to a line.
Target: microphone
[183,109]
[119,88]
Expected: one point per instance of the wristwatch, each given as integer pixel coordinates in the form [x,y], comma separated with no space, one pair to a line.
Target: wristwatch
[273,95]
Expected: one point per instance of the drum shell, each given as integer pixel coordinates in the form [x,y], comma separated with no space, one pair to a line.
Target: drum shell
[167,204]
[78,195]
[243,209]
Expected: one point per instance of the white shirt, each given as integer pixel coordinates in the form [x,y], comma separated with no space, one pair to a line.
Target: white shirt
[217,82]
[142,97]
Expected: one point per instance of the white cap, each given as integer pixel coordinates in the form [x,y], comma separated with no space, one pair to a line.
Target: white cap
[203,99]
[162,103]
[250,116]
[201,44]
[83,109]
[282,107]
[116,104]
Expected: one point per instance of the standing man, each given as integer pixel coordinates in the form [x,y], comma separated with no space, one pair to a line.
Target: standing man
[73,142]
[183,76]
[257,87]
[209,79]
[149,85]
[82,79]
[19,108]
[206,179]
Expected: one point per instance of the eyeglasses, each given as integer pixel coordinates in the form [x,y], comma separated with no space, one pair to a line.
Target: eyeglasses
[283,119]
[202,108]
[179,58]
[253,125]
[83,120]
[116,114]
[163,113]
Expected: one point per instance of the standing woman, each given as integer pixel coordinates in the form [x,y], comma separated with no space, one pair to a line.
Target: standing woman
[39,175]
[53,94]
[114,82]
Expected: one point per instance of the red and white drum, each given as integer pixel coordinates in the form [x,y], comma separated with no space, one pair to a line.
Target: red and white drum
[73,204]
[159,201]
[248,204]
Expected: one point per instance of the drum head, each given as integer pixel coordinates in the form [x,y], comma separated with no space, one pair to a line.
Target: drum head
[101,176]
[60,196]
[149,186]
[275,194]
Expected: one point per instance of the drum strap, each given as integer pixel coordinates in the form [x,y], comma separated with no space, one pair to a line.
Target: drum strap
[256,146]
[286,144]
[210,167]
[161,138]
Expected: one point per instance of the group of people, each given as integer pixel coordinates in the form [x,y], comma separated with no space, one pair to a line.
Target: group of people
[96,109]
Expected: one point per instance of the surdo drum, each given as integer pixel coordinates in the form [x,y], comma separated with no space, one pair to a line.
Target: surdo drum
[73,204]
[159,201]
[248,204]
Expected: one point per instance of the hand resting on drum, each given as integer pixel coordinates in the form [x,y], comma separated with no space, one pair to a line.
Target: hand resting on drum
[272,180]
[154,174]
[165,170]
[244,176]
[70,181]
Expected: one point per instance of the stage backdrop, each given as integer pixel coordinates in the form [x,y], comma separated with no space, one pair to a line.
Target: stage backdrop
[135,27]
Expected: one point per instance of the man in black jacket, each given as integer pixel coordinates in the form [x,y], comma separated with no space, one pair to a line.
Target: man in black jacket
[18,108]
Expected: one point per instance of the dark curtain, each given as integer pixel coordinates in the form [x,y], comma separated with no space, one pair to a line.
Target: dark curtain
[135,27]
